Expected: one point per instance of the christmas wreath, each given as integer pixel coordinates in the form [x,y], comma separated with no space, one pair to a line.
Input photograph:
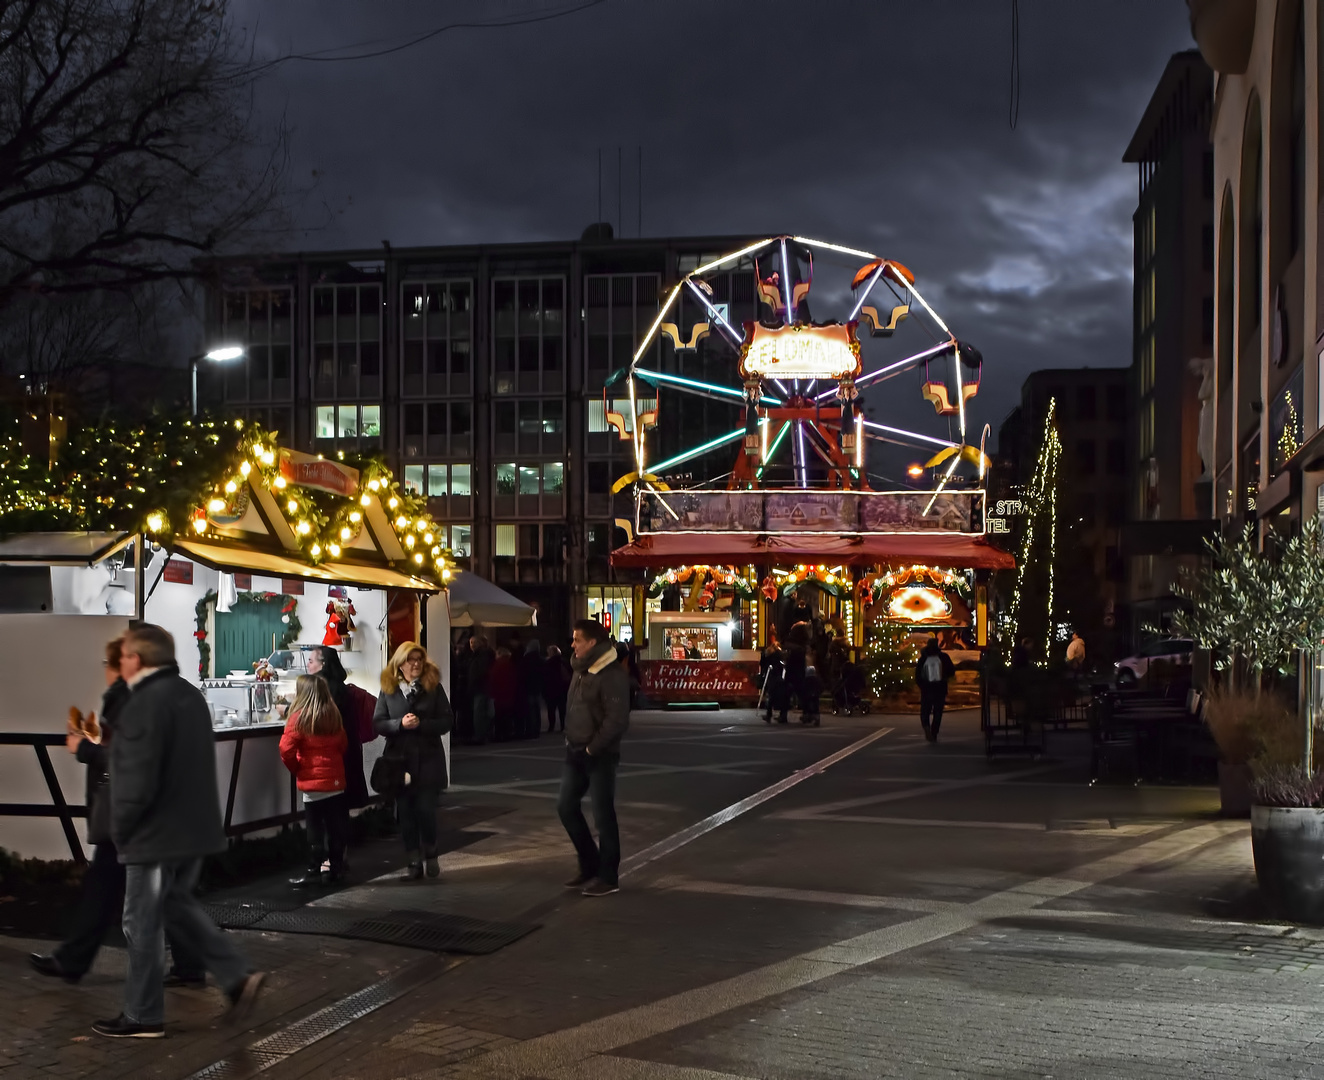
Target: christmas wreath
[287,613]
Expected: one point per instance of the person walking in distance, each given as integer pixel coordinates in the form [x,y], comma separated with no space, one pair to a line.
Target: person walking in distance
[530,679]
[165,817]
[101,904]
[481,658]
[555,685]
[413,713]
[597,716]
[931,674]
[312,747]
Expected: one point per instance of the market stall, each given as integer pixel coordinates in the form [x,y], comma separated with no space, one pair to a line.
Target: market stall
[278,554]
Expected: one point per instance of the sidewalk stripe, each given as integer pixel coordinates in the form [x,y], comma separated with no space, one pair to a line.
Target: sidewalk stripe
[571,1047]
[676,841]
[807,896]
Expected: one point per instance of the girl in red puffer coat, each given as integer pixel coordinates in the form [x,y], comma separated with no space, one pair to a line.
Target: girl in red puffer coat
[313,749]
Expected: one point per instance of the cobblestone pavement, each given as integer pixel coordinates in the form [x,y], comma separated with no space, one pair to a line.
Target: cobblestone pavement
[911,911]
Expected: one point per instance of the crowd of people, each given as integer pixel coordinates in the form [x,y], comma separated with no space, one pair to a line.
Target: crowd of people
[502,693]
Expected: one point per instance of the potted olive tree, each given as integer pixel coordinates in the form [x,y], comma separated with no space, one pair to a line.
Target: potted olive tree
[1256,611]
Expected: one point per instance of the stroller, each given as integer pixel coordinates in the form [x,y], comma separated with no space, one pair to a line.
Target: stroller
[848,690]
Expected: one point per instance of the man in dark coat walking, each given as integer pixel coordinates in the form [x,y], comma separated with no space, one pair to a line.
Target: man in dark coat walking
[597,716]
[165,816]
[481,658]
[931,674]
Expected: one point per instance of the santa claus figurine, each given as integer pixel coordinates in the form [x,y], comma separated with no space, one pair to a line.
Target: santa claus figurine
[339,622]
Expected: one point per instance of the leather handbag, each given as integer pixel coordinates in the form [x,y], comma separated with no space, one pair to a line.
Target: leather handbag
[388,773]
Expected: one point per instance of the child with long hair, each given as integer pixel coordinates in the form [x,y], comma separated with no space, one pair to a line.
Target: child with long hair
[313,749]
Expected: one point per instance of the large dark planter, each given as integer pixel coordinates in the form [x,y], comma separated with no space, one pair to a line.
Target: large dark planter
[1234,789]
[1289,860]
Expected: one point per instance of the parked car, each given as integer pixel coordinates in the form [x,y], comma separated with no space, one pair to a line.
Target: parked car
[1176,651]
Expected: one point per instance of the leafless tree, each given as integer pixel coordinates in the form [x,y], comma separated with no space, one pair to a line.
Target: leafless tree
[127,144]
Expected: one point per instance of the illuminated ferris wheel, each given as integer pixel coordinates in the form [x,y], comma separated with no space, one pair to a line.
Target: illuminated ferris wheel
[799,380]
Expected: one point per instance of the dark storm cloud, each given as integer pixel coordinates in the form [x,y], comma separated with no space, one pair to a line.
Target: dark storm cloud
[879,125]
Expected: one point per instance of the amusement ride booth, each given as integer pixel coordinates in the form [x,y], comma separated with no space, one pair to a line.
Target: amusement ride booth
[802,527]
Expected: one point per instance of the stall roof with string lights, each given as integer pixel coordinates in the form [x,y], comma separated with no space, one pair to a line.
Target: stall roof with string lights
[755,520]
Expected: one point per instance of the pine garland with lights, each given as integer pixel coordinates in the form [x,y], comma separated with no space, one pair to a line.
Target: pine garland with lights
[289,617]
[1039,541]
[889,659]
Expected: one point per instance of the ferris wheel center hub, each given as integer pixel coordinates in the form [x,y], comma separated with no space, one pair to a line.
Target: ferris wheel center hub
[799,351]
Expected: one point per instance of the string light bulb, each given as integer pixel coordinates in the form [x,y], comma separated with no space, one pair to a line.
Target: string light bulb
[245,468]
[346,532]
[355,517]
[231,487]
[333,548]
[315,550]
[215,506]
[292,507]
[392,502]
[304,528]
[374,485]
[366,500]
[155,522]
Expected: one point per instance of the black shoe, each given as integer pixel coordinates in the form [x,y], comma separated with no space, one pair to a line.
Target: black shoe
[184,980]
[123,1028]
[768,718]
[579,881]
[308,881]
[413,872]
[243,996]
[598,887]
[50,965]
[431,867]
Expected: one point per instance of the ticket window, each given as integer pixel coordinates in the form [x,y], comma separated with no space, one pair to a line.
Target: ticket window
[691,643]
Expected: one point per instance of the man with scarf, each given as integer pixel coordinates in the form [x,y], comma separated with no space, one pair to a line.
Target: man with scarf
[597,716]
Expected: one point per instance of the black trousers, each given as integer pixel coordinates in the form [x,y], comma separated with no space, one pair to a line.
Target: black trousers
[327,821]
[596,775]
[931,702]
[555,710]
[417,806]
[101,907]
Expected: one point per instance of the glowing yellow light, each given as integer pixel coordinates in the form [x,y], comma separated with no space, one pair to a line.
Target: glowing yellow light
[292,506]
[200,525]
[231,487]
[304,528]
[418,558]
[280,482]
[374,485]
[315,550]
[409,540]
[401,522]
[392,502]
[446,573]
[333,548]
[355,516]
[216,506]
[420,524]
[155,522]
[436,551]
[245,468]
[427,538]
[268,458]
[346,532]
[916,471]
[919,603]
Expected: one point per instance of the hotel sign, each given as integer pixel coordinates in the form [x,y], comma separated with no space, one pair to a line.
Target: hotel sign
[800,352]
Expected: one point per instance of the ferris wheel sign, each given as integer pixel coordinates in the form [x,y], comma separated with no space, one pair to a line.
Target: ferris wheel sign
[800,352]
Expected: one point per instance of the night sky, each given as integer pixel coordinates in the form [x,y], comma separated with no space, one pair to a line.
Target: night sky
[877,124]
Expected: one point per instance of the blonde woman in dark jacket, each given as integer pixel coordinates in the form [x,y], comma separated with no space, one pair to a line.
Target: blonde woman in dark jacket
[413,714]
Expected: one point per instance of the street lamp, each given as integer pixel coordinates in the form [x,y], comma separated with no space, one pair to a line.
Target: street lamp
[221,354]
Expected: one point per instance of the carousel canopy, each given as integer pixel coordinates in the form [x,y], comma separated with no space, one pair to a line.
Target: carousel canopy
[477,602]
[958,550]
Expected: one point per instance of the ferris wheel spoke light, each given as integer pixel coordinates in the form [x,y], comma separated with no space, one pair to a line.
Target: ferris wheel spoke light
[772,450]
[800,445]
[942,484]
[652,330]
[932,314]
[731,258]
[735,337]
[908,434]
[891,369]
[787,288]
[864,293]
[960,389]
[696,385]
[698,451]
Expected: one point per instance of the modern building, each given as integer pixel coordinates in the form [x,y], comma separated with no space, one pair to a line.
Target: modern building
[478,373]
[1268,305]
[1173,339]
[1092,418]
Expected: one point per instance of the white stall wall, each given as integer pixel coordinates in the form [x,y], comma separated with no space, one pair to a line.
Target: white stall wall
[50,663]
[174,607]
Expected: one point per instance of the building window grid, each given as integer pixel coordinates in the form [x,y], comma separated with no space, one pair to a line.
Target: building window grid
[437,429]
[436,340]
[528,335]
[347,426]
[531,426]
[261,320]
[346,323]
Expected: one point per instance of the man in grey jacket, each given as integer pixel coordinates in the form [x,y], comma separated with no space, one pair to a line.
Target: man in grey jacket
[165,816]
[596,717]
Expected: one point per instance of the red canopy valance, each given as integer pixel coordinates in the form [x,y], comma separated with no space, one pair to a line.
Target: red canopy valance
[957,550]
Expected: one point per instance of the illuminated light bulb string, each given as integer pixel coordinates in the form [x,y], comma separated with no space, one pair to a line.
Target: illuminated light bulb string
[1042,503]
[191,477]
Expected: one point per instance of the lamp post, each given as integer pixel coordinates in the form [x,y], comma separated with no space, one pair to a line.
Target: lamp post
[221,354]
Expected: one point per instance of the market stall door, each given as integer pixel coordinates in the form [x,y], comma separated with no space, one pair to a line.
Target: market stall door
[245,636]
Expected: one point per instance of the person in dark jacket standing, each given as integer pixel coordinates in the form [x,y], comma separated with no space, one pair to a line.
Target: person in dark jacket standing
[325,661]
[165,817]
[530,679]
[597,716]
[414,713]
[101,904]
[931,674]
[555,685]
[481,658]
